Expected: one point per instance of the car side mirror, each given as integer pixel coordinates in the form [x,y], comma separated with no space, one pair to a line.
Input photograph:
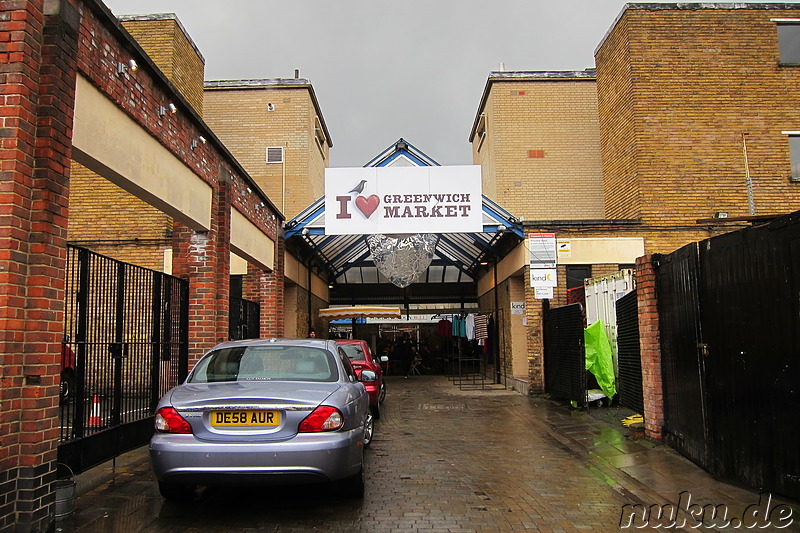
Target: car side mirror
[368,376]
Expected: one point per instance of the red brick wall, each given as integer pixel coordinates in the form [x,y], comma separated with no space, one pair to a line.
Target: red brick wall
[202,257]
[37,81]
[40,57]
[272,297]
[652,383]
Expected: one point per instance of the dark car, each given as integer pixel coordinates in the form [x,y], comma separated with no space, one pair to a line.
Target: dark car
[361,358]
[271,411]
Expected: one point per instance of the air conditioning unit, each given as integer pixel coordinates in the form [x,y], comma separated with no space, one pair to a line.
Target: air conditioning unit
[274,154]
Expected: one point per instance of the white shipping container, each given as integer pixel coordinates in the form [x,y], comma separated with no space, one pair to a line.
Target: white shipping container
[602,294]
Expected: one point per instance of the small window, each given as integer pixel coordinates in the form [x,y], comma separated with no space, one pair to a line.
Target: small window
[789,43]
[480,130]
[319,135]
[576,274]
[794,155]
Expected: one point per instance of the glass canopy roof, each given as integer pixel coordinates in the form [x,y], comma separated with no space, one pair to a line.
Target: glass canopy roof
[458,255]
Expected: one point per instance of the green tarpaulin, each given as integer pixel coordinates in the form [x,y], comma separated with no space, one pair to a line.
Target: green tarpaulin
[599,360]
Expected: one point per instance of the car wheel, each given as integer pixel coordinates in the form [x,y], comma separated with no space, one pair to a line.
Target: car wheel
[176,492]
[382,395]
[353,487]
[369,427]
[376,411]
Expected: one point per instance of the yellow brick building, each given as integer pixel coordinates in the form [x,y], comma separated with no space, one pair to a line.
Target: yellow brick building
[536,137]
[693,99]
[106,218]
[690,116]
[280,116]
[168,44]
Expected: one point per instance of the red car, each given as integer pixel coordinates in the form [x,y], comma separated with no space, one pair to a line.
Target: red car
[362,359]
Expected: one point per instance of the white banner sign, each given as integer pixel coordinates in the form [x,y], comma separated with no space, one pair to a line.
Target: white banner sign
[544,277]
[517,308]
[367,200]
[542,249]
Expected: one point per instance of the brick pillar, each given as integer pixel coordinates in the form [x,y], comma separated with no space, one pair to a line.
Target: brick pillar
[37,83]
[534,311]
[272,297]
[650,347]
[251,283]
[203,257]
[222,291]
[267,288]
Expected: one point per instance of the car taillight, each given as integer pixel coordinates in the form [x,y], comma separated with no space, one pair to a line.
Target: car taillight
[168,420]
[323,418]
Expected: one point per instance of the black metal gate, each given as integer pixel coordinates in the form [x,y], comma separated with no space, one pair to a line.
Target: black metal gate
[750,309]
[629,359]
[125,344]
[681,353]
[564,354]
[730,341]
[245,319]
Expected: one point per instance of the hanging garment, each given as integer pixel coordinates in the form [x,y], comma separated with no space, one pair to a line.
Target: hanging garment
[444,328]
[469,326]
[481,326]
[457,325]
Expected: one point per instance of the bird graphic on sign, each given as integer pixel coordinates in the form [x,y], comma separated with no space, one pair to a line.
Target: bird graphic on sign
[358,188]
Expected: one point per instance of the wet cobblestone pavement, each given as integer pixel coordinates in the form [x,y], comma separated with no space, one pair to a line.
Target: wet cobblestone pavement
[443,460]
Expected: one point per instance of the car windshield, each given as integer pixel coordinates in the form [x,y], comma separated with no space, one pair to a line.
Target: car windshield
[265,363]
[354,352]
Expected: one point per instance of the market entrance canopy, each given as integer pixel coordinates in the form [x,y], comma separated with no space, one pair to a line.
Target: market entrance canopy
[359,311]
[473,228]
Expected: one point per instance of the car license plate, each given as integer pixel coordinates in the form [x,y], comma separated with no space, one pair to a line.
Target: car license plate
[249,418]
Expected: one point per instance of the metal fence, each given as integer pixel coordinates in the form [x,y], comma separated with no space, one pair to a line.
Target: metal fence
[125,344]
[730,342]
[685,417]
[245,319]
[629,354]
[564,354]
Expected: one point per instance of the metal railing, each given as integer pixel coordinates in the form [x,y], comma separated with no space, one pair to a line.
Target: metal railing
[125,344]
[245,318]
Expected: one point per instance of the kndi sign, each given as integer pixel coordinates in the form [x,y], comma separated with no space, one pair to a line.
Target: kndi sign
[544,277]
[390,200]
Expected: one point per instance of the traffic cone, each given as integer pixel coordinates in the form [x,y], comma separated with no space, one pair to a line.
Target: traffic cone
[95,420]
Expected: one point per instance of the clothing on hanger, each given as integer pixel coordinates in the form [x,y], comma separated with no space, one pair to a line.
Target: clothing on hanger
[469,326]
[444,328]
[481,326]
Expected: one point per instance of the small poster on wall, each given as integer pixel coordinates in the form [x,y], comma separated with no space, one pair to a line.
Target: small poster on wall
[543,293]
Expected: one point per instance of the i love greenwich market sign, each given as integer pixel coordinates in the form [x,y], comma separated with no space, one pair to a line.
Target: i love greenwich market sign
[397,200]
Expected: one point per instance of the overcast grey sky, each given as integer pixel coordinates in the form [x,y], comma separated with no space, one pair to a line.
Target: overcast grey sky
[384,70]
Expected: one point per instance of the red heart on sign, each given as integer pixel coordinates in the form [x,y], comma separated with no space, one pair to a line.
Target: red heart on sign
[368,205]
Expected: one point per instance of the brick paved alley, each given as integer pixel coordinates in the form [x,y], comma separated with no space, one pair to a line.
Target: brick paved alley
[443,460]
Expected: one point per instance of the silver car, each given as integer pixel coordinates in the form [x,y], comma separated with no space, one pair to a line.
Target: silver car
[271,411]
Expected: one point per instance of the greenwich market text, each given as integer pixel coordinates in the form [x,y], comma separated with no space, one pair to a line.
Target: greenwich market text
[409,205]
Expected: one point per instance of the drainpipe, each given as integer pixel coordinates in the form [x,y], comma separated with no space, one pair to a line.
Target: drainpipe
[497,369]
[750,198]
[310,299]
